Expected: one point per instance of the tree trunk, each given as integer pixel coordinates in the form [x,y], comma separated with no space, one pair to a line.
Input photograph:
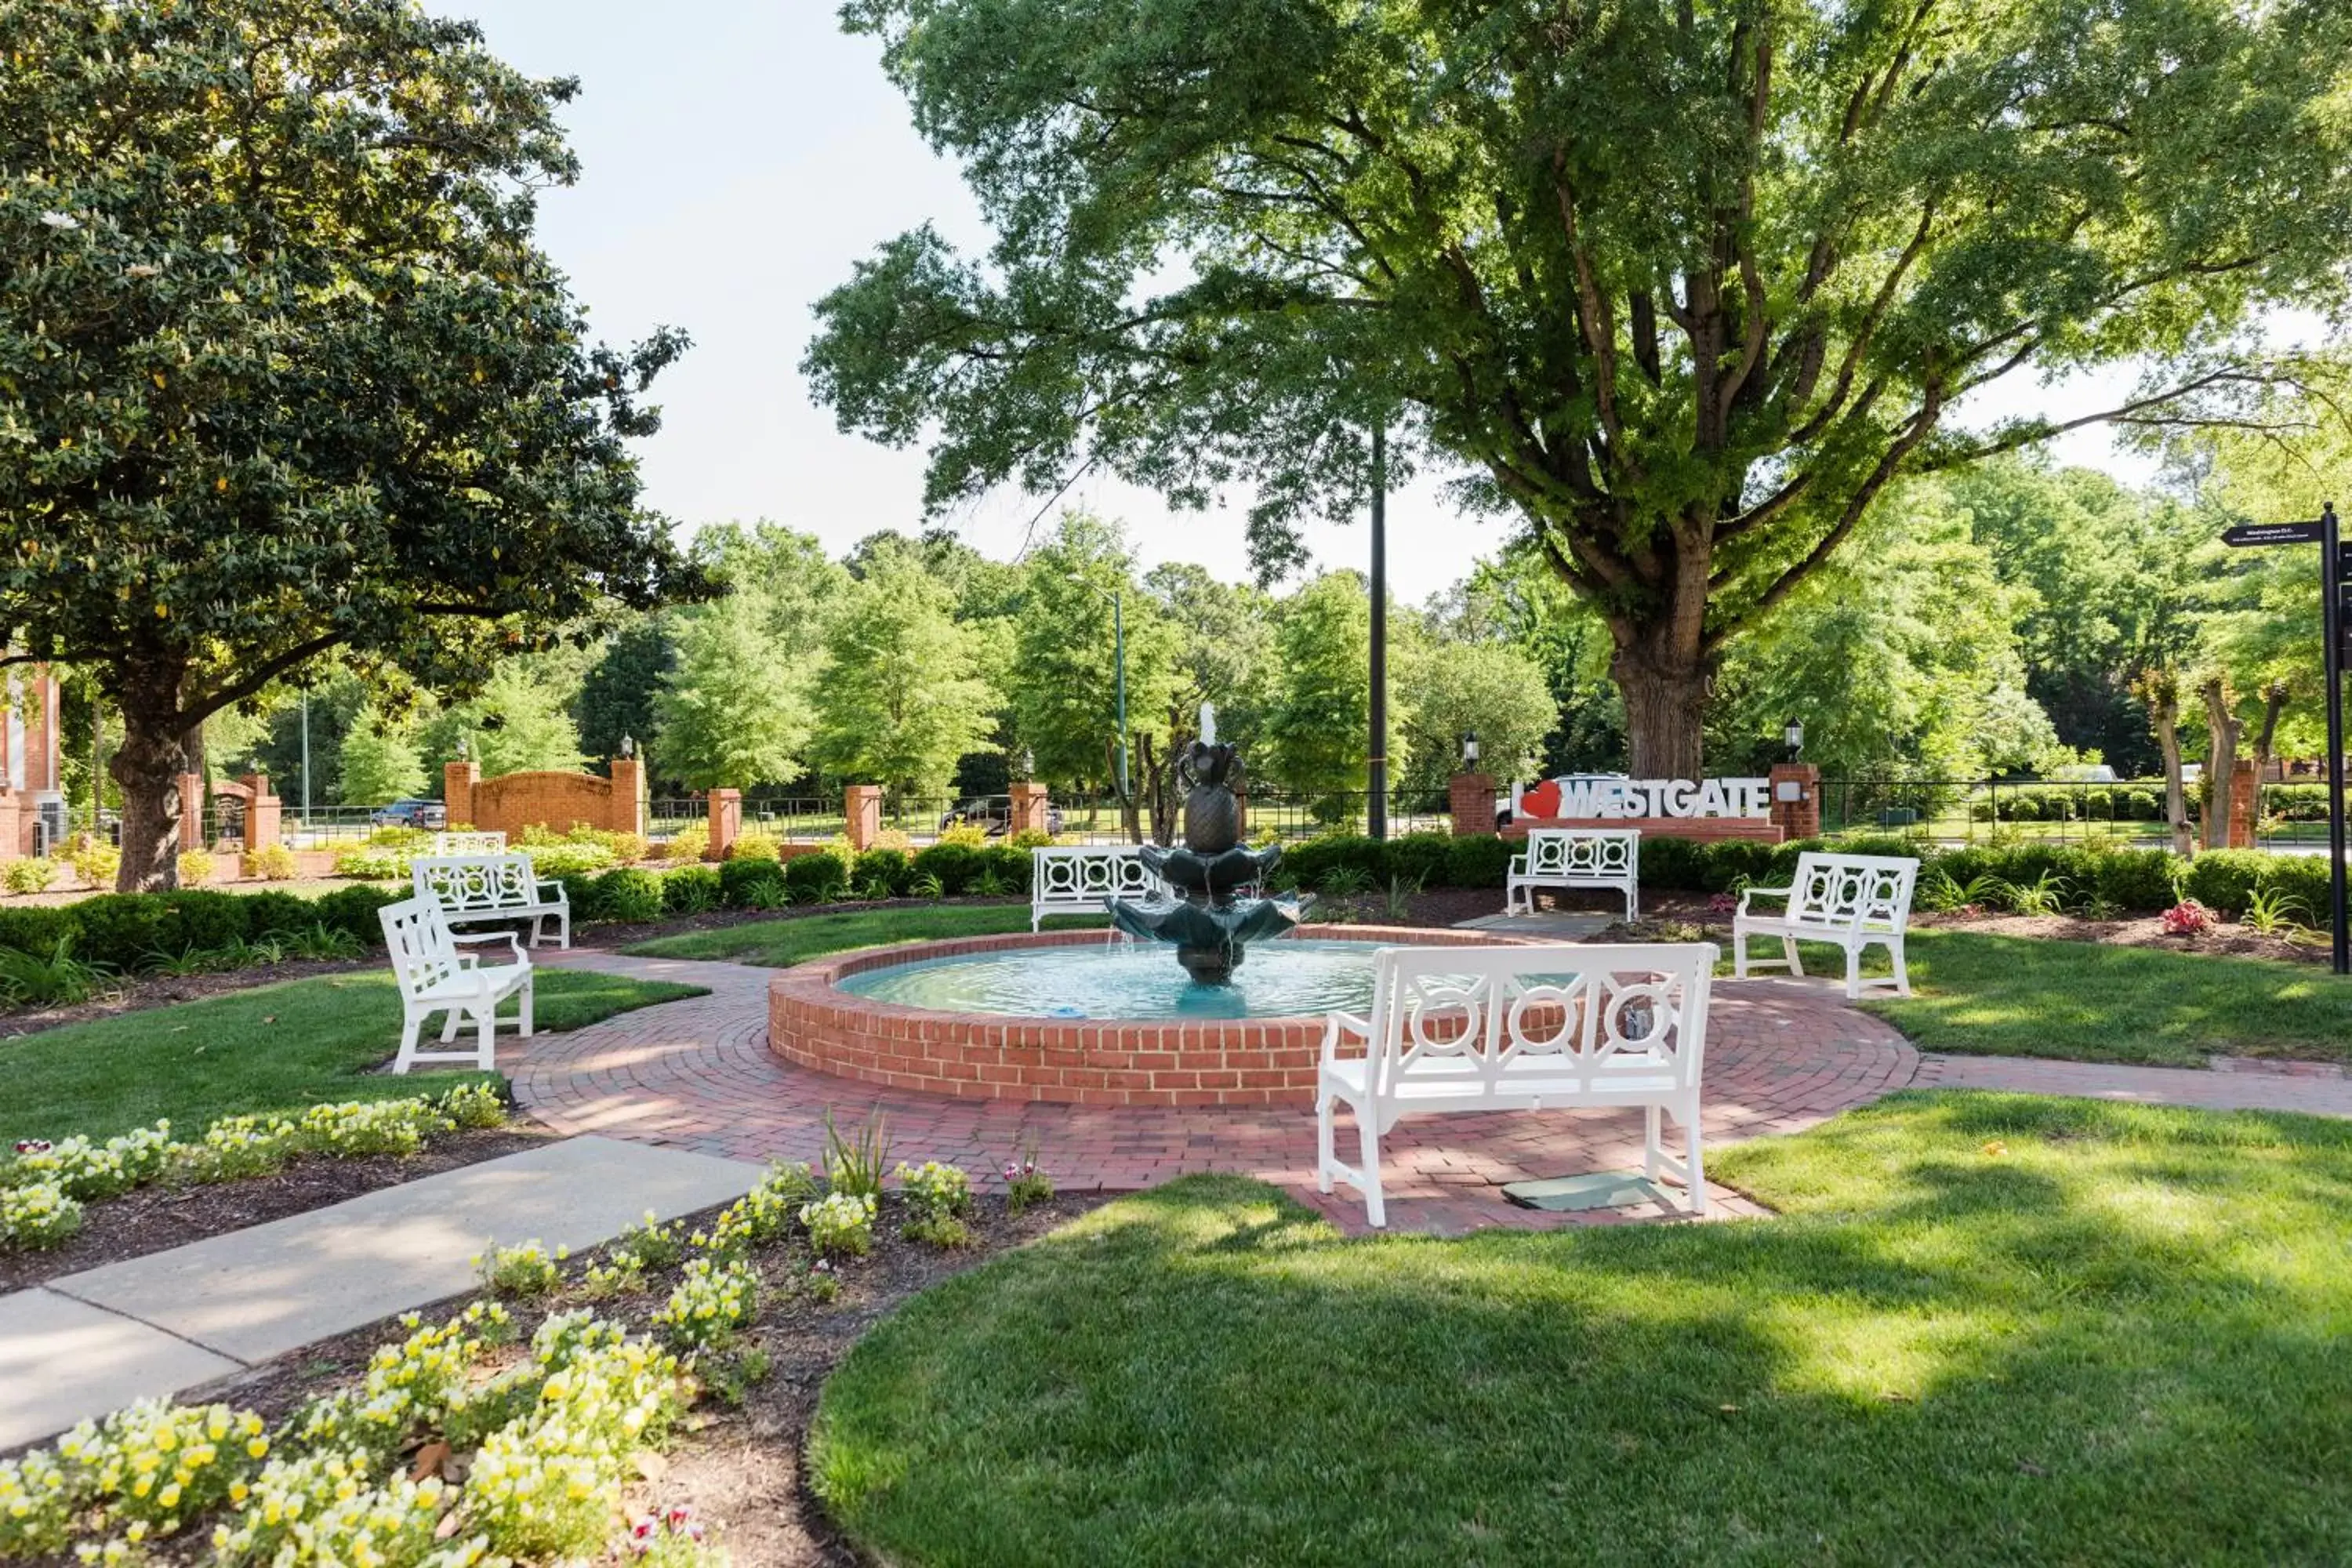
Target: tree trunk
[1665,708]
[2164,712]
[2221,760]
[2274,696]
[147,765]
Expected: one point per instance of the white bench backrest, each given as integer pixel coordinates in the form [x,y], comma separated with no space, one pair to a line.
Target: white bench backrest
[1086,874]
[473,882]
[469,844]
[1582,852]
[1594,1013]
[417,935]
[1864,892]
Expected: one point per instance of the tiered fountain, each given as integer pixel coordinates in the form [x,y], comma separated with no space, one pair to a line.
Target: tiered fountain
[1210,924]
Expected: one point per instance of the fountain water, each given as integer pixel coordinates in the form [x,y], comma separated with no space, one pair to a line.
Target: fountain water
[1210,925]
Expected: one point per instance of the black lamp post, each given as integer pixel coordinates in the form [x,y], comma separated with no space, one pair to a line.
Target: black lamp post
[1470,751]
[1793,733]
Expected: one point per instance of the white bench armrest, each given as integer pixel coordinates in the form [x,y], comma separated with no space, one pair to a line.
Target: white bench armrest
[505,936]
[1519,864]
[1765,892]
[542,885]
[1336,1024]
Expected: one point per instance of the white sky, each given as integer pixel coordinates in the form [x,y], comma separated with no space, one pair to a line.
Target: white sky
[738,156]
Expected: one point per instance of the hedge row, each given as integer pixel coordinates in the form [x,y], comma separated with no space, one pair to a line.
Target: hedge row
[2223,880]
[127,929]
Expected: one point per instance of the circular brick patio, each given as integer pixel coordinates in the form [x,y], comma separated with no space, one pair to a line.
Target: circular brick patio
[698,1074]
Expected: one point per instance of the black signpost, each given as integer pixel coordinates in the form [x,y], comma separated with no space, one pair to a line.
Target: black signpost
[2324,532]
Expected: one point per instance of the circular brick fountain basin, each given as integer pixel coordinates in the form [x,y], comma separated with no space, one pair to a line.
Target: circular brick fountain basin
[813,1023]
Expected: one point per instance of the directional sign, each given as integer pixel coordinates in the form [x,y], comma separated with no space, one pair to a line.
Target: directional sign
[2275,533]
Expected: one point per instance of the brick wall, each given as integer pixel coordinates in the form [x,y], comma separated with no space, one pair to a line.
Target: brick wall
[1704,829]
[513,802]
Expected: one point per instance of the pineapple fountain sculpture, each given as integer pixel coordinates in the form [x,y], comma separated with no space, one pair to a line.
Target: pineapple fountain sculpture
[1206,919]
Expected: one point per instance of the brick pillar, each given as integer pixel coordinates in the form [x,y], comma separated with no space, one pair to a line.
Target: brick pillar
[457,782]
[863,805]
[627,812]
[13,824]
[261,813]
[2244,786]
[1029,808]
[726,821]
[1472,799]
[1799,817]
[192,810]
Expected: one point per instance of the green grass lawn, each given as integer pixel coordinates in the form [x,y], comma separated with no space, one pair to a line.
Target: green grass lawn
[1989,1329]
[274,1047]
[2086,1002]
[779,944]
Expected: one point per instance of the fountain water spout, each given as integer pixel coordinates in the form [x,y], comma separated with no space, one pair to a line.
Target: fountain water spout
[1210,925]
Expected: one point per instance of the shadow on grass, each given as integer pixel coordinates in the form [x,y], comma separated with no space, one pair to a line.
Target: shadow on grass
[1985,1333]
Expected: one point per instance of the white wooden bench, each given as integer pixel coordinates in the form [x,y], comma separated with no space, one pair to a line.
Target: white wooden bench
[1851,900]
[435,977]
[1606,857]
[1080,879]
[469,843]
[1533,1026]
[473,889]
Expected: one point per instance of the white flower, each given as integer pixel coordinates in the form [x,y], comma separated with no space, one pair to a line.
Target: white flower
[61,220]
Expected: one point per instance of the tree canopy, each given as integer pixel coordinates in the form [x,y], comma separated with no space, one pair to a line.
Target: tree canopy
[732,710]
[903,700]
[1685,285]
[282,371]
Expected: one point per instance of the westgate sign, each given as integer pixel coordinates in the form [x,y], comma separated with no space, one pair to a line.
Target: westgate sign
[1620,798]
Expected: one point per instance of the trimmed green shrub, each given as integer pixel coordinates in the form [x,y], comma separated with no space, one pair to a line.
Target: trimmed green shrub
[1351,854]
[1676,865]
[121,929]
[1479,860]
[38,929]
[199,919]
[272,909]
[1420,859]
[957,866]
[2136,879]
[1010,865]
[2143,805]
[580,891]
[750,884]
[628,894]
[2225,879]
[891,867]
[692,890]
[354,909]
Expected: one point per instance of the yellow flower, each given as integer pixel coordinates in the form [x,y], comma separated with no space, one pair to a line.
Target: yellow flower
[257,1446]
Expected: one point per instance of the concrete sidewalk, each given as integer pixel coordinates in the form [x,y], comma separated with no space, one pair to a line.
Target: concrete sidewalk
[87,1343]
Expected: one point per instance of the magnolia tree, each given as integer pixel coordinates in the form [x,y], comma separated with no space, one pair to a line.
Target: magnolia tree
[1682,284]
[282,371]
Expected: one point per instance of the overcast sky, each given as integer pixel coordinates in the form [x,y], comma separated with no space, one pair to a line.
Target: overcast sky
[738,156]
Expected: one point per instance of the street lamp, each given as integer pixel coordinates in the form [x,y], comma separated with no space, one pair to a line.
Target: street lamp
[1027,763]
[1793,733]
[1118,655]
[628,745]
[1469,751]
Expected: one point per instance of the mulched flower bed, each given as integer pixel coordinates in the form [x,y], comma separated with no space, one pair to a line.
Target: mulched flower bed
[628,934]
[737,1468]
[153,1219]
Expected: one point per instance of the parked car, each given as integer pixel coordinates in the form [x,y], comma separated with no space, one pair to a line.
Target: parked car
[993,813]
[430,814]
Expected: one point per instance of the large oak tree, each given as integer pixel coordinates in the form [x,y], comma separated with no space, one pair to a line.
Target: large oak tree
[1682,283]
[281,370]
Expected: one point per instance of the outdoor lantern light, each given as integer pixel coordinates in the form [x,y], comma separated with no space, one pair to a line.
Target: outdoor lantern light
[462,748]
[628,745]
[1794,733]
[1028,763]
[1470,748]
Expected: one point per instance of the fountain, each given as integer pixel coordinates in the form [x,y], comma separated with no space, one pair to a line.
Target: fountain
[1208,924]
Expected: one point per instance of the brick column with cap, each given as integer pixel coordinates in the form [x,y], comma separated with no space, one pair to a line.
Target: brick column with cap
[627,813]
[192,810]
[862,804]
[262,812]
[1796,791]
[726,822]
[1471,797]
[2245,787]
[1029,809]
[457,782]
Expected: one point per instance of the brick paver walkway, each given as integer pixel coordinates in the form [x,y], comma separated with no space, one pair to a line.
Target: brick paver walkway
[697,1074]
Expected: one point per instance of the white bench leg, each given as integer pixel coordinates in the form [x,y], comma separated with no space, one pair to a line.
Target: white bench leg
[1367,1140]
[1651,1130]
[1788,953]
[528,981]
[411,1024]
[1325,1154]
[486,1046]
[450,1026]
[1853,971]
[1693,1162]
[1738,952]
[1902,974]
